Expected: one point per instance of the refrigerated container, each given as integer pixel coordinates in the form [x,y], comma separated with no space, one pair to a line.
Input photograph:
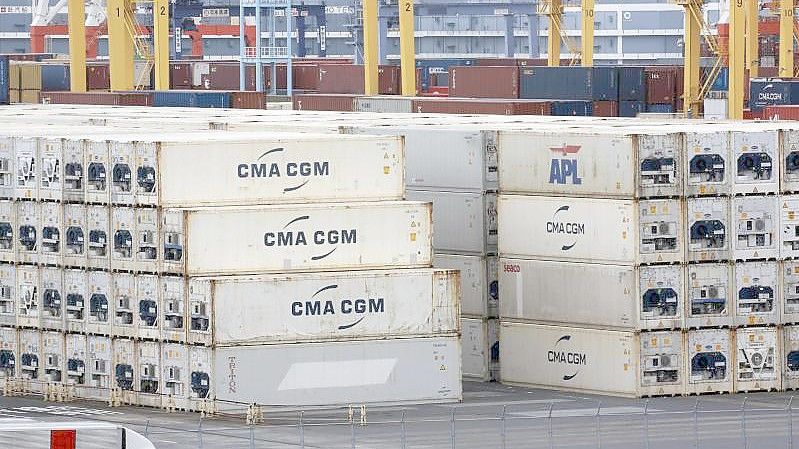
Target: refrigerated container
[788,226]
[201,377]
[618,163]
[51,159]
[123,236]
[28,296]
[124,305]
[591,230]
[76,297]
[51,289]
[76,233]
[709,296]
[8,295]
[146,250]
[26,150]
[757,293]
[8,220]
[479,282]
[789,155]
[709,361]
[8,174]
[100,367]
[121,163]
[463,223]
[593,295]
[148,383]
[172,313]
[28,238]
[98,251]
[53,231]
[74,172]
[100,303]
[757,156]
[175,375]
[335,306]
[146,307]
[758,361]
[124,369]
[201,320]
[373,371]
[96,158]
[756,223]
[146,184]
[9,354]
[30,360]
[480,348]
[53,351]
[709,229]
[790,291]
[790,354]
[76,359]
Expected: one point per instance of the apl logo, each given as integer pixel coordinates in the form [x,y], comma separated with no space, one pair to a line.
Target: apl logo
[303,171]
[570,229]
[563,170]
[344,306]
[767,95]
[560,356]
[316,237]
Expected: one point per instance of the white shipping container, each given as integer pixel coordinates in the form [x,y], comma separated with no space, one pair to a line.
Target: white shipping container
[97,168]
[709,169]
[377,371]
[710,361]
[307,238]
[52,221]
[124,305]
[30,360]
[122,158]
[710,295]
[123,228]
[8,295]
[757,156]
[146,186]
[146,254]
[591,230]
[148,384]
[51,289]
[148,303]
[75,235]
[592,360]
[124,368]
[175,375]
[757,287]
[8,175]
[789,146]
[28,296]
[27,178]
[7,223]
[480,348]
[790,363]
[51,158]
[74,171]
[98,251]
[9,354]
[607,164]
[77,362]
[789,226]
[708,229]
[101,367]
[200,310]
[173,308]
[28,239]
[53,351]
[756,223]
[479,276]
[171,236]
[790,291]
[76,298]
[594,295]
[758,360]
[201,372]
[463,223]
[100,301]
[383,104]
[335,306]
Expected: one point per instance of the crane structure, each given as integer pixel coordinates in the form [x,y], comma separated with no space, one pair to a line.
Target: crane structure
[371,52]
[553,10]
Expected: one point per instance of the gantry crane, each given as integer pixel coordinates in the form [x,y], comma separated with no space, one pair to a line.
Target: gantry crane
[553,10]
[407,47]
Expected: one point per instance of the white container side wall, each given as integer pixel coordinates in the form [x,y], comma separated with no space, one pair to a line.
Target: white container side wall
[51,288]
[383,104]
[98,176]
[53,351]
[479,282]
[8,295]
[480,348]
[28,296]
[8,242]
[76,299]
[175,375]
[379,371]
[331,307]
[758,361]
[710,361]
[148,381]
[757,157]
[708,165]
[8,174]
[291,238]
[758,293]
[268,171]
[464,223]
[790,362]
[28,238]
[9,354]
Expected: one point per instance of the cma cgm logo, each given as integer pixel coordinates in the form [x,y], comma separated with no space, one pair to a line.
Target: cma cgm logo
[561,356]
[563,169]
[328,239]
[301,171]
[317,306]
[768,95]
[560,225]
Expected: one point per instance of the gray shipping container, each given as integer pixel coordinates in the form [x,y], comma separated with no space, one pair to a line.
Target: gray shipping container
[556,83]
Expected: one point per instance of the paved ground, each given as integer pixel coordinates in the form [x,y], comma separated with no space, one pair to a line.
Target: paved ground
[669,423]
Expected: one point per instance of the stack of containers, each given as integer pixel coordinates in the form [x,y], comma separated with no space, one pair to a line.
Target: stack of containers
[113,248]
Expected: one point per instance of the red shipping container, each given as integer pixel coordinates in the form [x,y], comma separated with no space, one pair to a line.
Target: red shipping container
[779,112]
[305,76]
[484,82]
[495,62]
[323,102]
[248,100]
[606,109]
[661,85]
[98,76]
[180,75]
[481,106]
[98,98]
[225,76]
[349,79]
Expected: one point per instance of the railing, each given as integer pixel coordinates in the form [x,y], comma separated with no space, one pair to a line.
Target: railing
[267,52]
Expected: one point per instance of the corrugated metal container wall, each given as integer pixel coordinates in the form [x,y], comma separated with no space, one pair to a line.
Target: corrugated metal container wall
[572,108]
[558,83]
[180,75]
[393,371]
[30,76]
[247,100]
[632,84]
[605,83]
[55,77]
[484,106]
[631,108]
[305,76]
[605,109]
[98,98]
[348,79]
[335,306]
[484,82]
[225,76]
[767,92]
[384,104]
[783,112]
[661,85]
[660,108]
[323,102]
[5,81]
[195,99]
[98,76]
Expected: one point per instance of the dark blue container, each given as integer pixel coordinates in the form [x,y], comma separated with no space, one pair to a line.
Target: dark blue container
[631,108]
[191,99]
[572,108]
[55,77]
[772,91]
[5,82]
[438,67]
[632,84]
[605,81]
[660,108]
[722,80]
[556,83]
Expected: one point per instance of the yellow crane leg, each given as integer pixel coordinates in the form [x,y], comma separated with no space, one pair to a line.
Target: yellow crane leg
[553,39]
[76,15]
[161,43]
[587,39]
[407,48]
[691,88]
[737,58]
[752,38]
[786,38]
[370,48]
[120,46]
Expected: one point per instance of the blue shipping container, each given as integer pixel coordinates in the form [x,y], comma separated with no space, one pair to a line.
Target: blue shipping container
[660,108]
[631,108]
[556,83]
[572,108]
[722,80]
[772,91]
[191,99]
[55,77]
[5,83]
[605,83]
[632,84]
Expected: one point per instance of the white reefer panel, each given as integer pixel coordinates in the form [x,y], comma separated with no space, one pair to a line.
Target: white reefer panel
[464,223]
[790,363]
[74,181]
[8,242]
[124,367]
[76,299]
[124,305]
[27,178]
[148,380]
[335,306]
[709,170]
[52,238]
[607,164]
[758,363]
[97,171]
[281,169]
[147,307]
[9,354]
[100,317]
[146,182]
[100,237]
[28,232]
[662,367]
[200,311]
[757,157]
[173,308]
[757,293]
[709,300]
[122,155]
[8,295]
[28,296]
[146,249]
[77,362]
[201,375]
[789,226]
[51,289]
[100,367]
[31,365]
[376,371]
[790,291]
[318,237]
[591,230]
[709,361]
[175,375]
[479,282]
[75,235]
[8,175]
[123,238]
[790,160]
[480,348]
[51,158]
[709,232]
[53,351]
[756,223]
